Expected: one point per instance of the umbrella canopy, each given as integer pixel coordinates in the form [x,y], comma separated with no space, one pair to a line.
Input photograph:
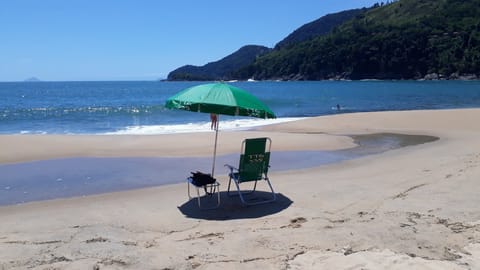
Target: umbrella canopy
[219,98]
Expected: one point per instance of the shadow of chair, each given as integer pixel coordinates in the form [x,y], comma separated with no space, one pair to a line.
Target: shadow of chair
[235,209]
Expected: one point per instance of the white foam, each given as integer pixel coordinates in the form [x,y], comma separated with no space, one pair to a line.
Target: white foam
[33,132]
[240,124]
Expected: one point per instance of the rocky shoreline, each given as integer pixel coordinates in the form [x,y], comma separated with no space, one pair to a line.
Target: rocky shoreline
[345,76]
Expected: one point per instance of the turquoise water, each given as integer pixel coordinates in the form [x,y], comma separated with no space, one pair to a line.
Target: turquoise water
[138,107]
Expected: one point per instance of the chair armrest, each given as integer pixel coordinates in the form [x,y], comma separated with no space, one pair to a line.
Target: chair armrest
[231,168]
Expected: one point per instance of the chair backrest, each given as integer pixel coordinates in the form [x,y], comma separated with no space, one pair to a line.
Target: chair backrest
[255,159]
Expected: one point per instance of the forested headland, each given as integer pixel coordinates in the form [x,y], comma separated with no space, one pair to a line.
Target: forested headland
[405,39]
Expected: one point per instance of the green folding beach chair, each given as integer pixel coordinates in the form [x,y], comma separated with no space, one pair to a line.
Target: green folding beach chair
[253,167]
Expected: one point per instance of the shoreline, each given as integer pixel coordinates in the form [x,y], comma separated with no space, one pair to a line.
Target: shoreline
[42,147]
[409,207]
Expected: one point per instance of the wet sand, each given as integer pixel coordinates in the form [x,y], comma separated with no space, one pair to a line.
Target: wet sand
[70,177]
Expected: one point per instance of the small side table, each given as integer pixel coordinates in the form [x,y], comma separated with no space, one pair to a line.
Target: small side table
[210,191]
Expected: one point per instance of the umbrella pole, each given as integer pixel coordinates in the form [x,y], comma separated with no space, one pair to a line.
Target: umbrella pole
[215,148]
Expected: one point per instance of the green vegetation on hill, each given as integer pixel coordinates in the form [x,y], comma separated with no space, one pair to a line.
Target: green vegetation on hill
[227,68]
[402,40]
[219,70]
[318,27]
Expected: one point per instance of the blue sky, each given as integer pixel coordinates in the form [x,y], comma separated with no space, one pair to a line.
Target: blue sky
[59,40]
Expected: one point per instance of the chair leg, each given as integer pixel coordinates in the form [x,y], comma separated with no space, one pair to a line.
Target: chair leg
[274,195]
[254,186]
[242,193]
[228,189]
[236,183]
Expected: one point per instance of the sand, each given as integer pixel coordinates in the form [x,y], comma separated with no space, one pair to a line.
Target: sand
[416,207]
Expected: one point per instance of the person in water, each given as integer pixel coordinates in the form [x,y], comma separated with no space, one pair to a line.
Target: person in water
[214,120]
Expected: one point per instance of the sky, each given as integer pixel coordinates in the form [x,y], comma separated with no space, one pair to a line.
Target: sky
[81,40]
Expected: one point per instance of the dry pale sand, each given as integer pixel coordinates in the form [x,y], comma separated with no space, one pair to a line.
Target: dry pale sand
[411,208]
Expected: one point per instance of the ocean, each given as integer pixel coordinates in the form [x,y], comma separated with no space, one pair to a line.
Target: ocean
[137,107]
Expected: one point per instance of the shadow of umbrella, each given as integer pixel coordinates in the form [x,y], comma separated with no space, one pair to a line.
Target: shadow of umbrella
[231,208]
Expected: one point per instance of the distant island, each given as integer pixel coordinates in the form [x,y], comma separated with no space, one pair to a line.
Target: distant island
[32,79]
[404,39]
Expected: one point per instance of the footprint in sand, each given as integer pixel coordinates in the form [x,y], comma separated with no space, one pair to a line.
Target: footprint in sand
[96,240]
[129,243]
[296,222]
[150,244]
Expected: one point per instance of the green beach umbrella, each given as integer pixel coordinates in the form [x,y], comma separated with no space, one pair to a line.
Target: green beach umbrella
[219,98]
